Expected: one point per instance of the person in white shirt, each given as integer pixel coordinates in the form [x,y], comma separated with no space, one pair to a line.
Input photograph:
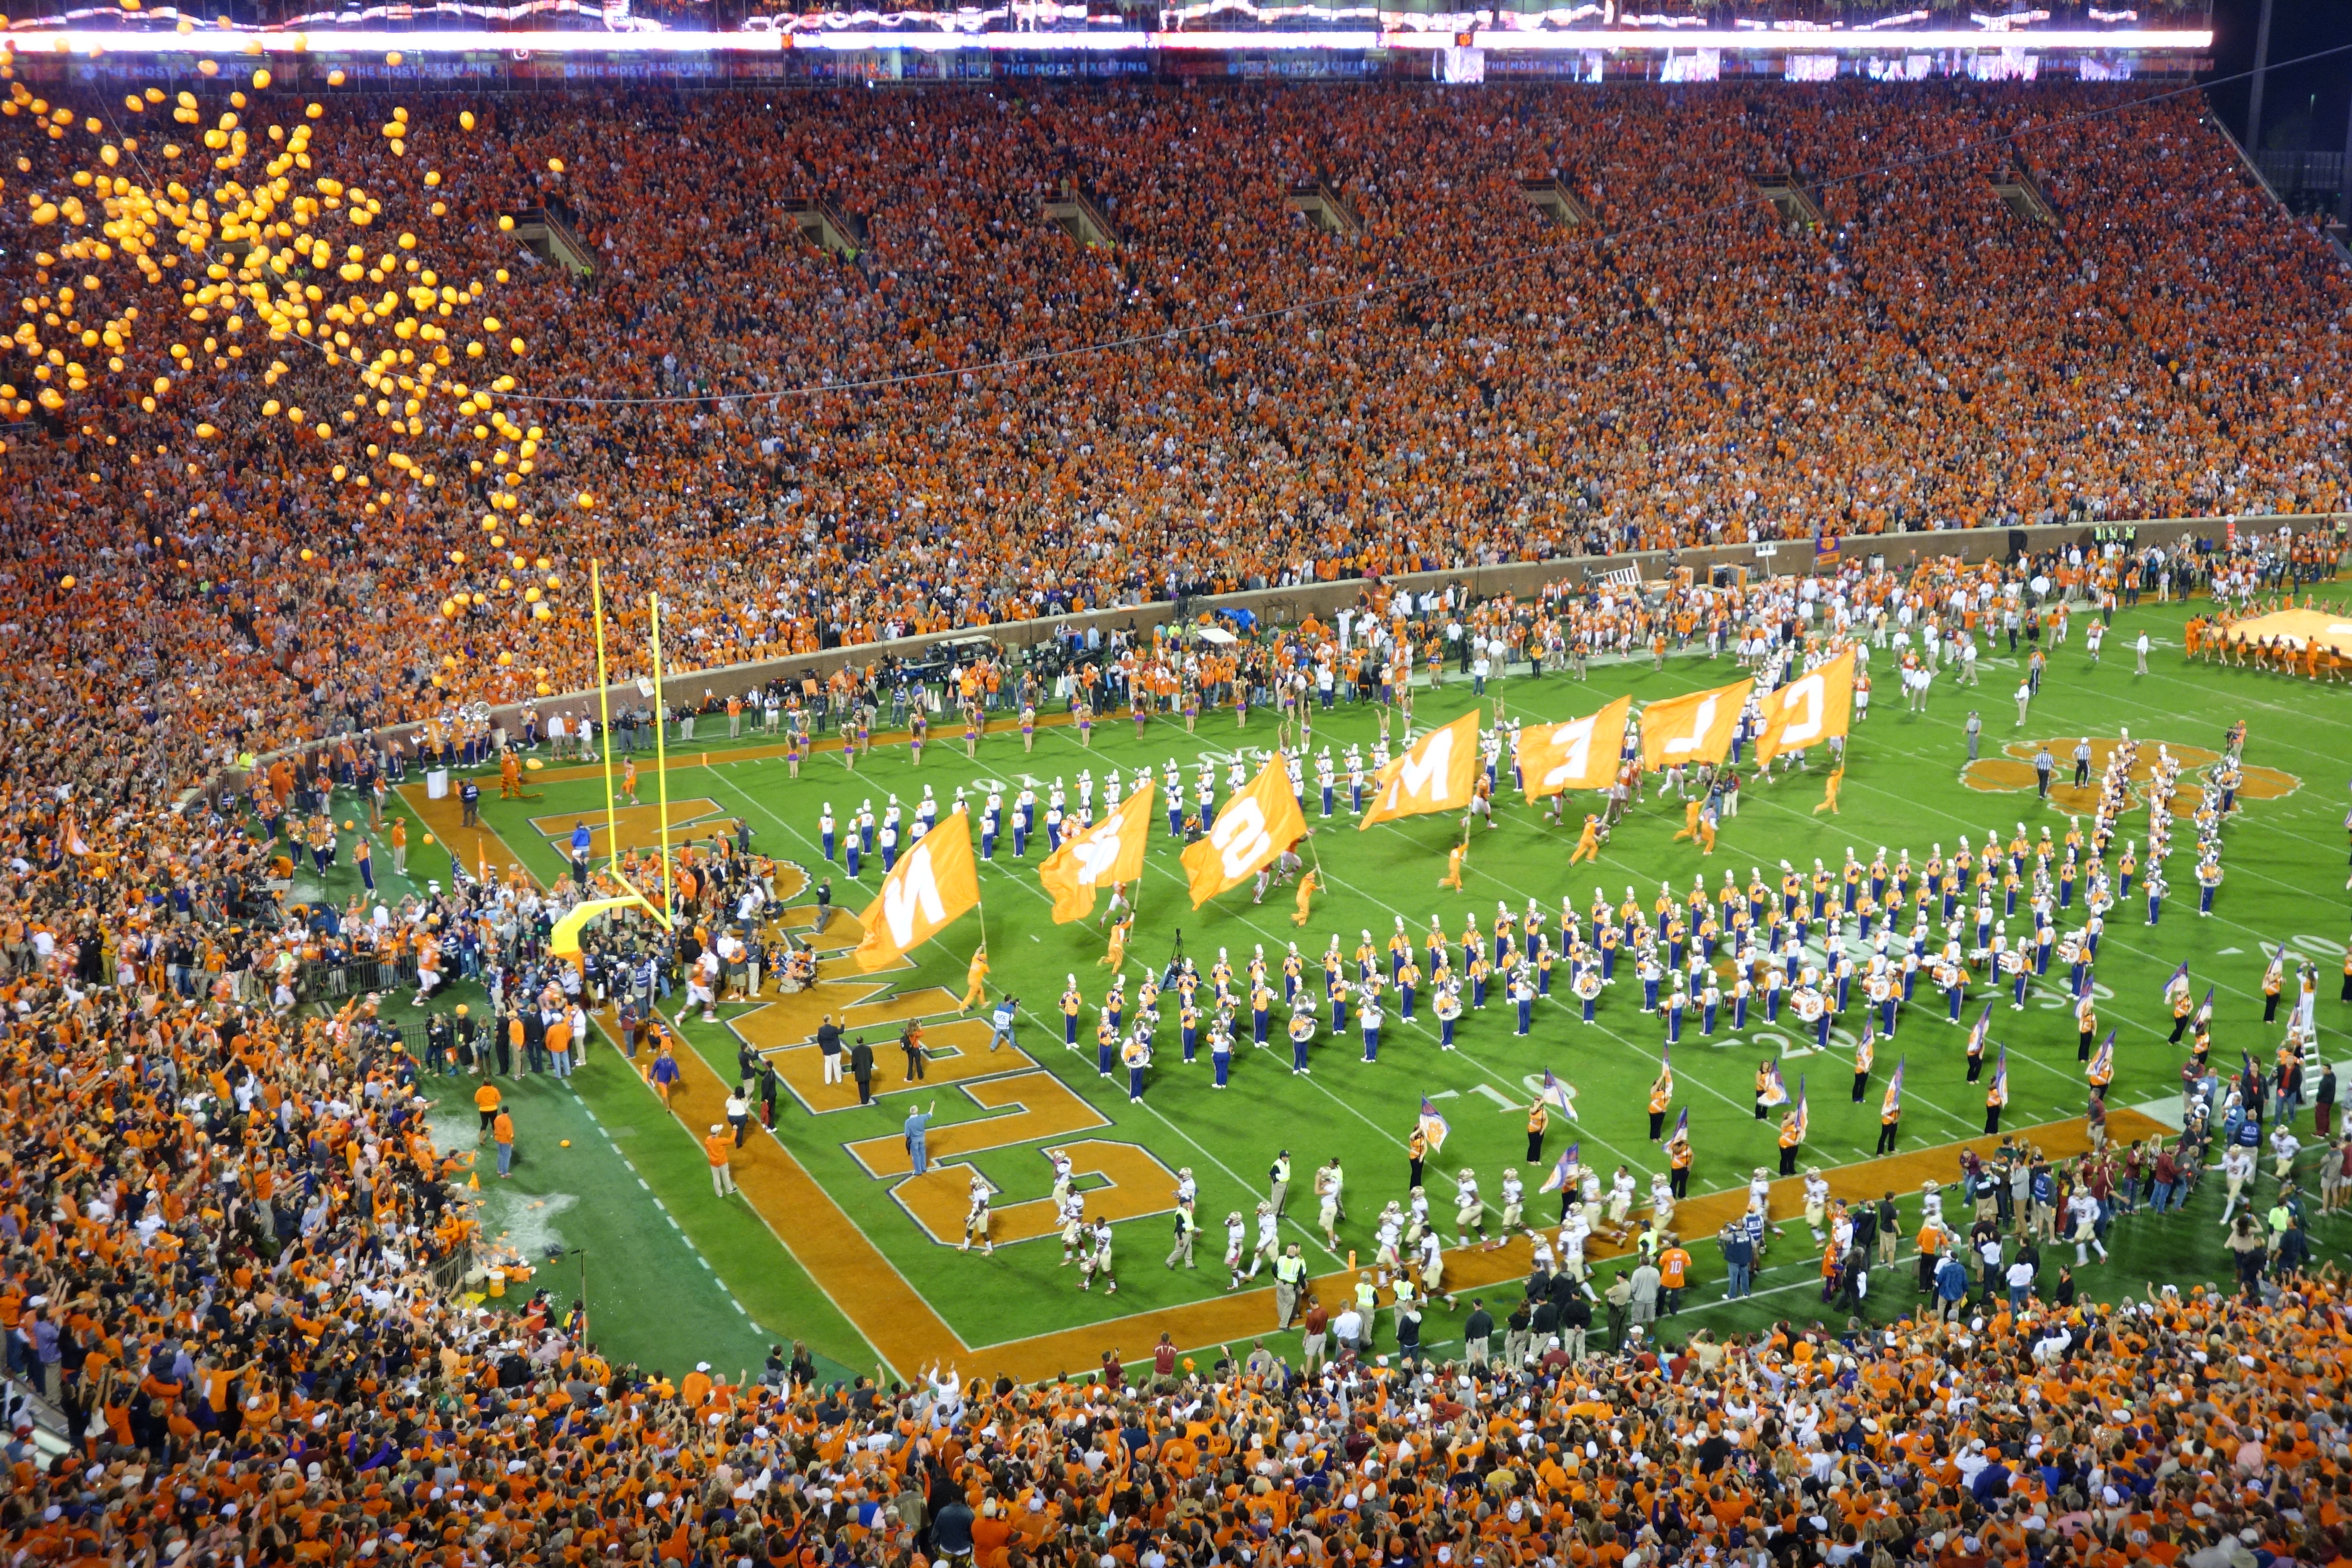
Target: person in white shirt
[2051,1349]
[702,986]
[2082,1210]
[1097,1262]
[1433,1266]
[1970,1460]
[1327,1206]
[2284,1147]
[1386,1234]
[1572,1235]
[2237,1170]
[2021,1282]
[1621,1203]
[1469,1210]
[1759,1193]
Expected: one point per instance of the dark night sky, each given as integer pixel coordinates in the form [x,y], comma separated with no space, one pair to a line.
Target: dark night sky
[2305,105]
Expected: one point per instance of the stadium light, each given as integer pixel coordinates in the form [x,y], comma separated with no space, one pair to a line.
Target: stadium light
[1850,40]
[32,43]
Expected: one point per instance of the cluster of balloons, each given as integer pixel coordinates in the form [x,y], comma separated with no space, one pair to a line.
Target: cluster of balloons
[254,256]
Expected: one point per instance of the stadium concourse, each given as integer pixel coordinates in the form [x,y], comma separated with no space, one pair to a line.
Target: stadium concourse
[234,1244]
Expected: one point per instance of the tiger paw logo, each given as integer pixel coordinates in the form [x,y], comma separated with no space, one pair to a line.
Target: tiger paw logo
[2013,772]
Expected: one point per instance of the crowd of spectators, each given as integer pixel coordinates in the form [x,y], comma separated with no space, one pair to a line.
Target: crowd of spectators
[227,1236]
[1463,381]
[231,1245]
[223,1240]
[234,1243]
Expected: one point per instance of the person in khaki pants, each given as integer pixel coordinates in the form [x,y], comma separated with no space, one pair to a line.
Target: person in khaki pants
[1188,1231]
[720,1148]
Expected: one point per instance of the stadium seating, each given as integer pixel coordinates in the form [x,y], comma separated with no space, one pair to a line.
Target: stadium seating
[1464,382]
[228,1235]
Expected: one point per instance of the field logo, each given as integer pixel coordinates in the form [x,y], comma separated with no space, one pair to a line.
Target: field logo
[2012,771]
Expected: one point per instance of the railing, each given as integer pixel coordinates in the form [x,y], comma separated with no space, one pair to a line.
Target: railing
[561,225]
[2303,180]
[2300,182]
[51,1436]
[1294,601]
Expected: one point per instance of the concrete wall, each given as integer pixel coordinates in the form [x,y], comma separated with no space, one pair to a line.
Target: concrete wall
[1287,606]
[1282,605]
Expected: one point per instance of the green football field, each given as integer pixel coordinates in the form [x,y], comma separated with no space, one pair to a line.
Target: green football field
[1907,786]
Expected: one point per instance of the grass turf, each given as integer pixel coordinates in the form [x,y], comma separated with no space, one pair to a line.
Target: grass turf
[1904,788]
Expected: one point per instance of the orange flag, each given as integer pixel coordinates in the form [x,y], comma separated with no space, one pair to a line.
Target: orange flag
[931,884]
[1255,826]
[1809,709]
[1695,729]
[1109,851]
[1436,772]
[1579,754]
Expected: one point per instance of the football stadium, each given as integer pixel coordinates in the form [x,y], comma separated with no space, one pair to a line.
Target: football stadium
[1106,786]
